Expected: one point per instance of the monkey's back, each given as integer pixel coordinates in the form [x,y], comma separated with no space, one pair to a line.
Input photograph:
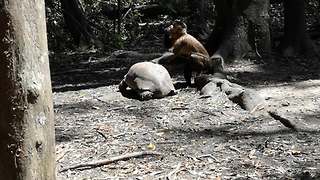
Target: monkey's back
[187,44]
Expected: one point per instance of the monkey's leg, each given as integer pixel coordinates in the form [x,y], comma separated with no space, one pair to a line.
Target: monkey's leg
[188,73]
[199,61]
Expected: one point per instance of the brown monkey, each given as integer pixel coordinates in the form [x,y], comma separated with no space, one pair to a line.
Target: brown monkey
[187,50]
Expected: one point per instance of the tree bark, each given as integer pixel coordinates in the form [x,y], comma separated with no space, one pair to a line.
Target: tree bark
[119,17]
[241,25]
[296,40]
[76,22]
[26,112]
[197,23]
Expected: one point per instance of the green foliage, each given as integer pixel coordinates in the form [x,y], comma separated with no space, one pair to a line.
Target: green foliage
[117,41]
[277,14]
[175,7]
[312,12]
[136,24]
[57,37]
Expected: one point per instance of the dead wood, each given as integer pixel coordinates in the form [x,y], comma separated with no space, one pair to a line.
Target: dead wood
[98,163]
[211,85]
[286,122]
[249,99]
[294,125]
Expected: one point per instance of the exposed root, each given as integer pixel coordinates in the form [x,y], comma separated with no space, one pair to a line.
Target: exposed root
[299,126]
[286,122]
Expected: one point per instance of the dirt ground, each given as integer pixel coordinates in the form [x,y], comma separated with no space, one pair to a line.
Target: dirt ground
[198,138]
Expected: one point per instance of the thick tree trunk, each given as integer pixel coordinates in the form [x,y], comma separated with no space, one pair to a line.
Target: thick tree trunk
[76,22]
[241,25]
[197,24]
[296,40]
[26,113]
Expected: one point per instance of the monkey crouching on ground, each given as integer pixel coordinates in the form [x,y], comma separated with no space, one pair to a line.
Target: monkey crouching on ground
[187,51]
[147,80]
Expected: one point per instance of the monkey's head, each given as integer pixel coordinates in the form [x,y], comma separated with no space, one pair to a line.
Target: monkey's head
[174,32]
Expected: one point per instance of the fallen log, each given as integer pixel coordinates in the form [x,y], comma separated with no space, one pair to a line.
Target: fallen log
[210,85]
[248,99]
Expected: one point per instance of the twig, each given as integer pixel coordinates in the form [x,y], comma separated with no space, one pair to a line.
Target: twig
[193,158]
[155,173]
[102,134]
[179,108]
[98,163]
[125,15]
[209,113]
[165,142]
[118,135]
[257,107]
[175,171]
[234,149]
[61,152]
[208,155]
[61,155]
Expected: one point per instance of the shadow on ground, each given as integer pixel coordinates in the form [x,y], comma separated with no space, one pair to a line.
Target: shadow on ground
[277,70]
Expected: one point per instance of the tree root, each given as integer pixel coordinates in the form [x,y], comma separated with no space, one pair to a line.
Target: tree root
[211,85]
[293,125]
[286,122]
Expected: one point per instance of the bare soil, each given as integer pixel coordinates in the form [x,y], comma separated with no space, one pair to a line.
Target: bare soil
[198,138]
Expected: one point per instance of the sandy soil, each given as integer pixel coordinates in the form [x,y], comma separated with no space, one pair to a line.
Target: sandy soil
[198,138]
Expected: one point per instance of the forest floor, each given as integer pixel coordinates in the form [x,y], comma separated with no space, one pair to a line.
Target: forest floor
[197,138]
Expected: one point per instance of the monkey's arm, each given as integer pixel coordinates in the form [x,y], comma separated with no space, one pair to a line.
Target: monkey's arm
[166,58]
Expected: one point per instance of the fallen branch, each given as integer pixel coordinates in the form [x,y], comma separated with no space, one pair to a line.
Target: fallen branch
[98,163]
[299,126]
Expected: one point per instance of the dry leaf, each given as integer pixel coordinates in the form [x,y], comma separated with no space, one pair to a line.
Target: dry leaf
[151,146]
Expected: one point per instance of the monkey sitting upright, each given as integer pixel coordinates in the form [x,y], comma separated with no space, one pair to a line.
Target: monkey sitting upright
[187,50]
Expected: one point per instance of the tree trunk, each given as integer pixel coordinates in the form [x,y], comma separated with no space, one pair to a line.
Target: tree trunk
[27,146]
[241,25]
[197,24]
[76,22]
[119,17]
[296,40]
